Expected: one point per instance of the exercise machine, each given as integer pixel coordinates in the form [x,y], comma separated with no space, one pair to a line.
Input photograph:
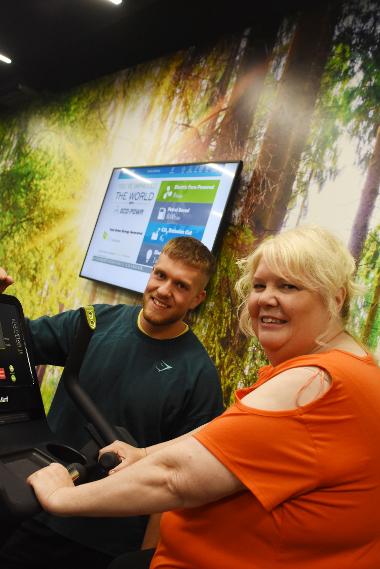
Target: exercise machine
[26,441]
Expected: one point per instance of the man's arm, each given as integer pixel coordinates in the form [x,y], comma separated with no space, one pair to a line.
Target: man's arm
[183,475]
[52,337]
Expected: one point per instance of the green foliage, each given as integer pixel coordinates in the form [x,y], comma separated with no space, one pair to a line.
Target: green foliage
[349,96]
[365,313]
[45,156]
[36,198]
[49,385]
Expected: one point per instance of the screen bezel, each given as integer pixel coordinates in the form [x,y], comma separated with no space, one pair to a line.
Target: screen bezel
[218,234]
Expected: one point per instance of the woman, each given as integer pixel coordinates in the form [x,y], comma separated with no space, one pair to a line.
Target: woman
[289,476]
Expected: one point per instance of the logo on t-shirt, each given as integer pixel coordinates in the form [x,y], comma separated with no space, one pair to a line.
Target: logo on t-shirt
[163,366]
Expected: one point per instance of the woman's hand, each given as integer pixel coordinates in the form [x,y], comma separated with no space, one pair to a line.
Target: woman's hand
[50,485]
[183,475]
[128,454]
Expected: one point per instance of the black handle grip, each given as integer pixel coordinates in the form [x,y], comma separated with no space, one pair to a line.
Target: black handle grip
[78,472]
[109,460]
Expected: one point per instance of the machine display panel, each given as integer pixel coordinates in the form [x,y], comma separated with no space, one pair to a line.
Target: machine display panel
[15,366]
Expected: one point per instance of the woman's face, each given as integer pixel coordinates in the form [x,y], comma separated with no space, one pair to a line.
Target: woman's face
[286,318]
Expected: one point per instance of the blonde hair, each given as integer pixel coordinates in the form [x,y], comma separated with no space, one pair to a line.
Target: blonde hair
[308,256]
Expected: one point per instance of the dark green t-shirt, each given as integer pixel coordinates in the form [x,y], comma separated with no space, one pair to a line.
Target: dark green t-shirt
[157,389]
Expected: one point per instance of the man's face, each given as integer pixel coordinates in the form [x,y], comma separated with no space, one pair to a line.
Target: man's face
[173,289]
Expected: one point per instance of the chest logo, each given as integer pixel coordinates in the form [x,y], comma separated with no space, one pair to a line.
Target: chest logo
[163,366]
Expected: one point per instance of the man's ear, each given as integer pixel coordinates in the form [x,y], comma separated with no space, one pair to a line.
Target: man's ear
[198,299]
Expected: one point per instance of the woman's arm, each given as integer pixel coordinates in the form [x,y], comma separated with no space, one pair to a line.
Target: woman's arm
[183,475]
[129,454]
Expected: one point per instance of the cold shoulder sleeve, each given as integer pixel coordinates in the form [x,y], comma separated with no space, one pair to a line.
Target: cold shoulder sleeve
[271,453]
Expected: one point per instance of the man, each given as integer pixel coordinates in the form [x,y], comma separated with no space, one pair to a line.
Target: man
[146,371]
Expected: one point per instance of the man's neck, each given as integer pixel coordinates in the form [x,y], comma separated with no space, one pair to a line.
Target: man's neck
[161,332]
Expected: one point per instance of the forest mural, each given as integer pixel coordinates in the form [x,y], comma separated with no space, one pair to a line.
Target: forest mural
[297,99]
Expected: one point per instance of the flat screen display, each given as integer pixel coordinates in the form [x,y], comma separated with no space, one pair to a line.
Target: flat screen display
[145,206]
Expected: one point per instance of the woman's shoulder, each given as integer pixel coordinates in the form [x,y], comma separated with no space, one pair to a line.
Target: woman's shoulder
[304,379]
[290,389]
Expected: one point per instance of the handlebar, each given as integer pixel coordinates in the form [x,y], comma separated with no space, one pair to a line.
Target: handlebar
[109,460]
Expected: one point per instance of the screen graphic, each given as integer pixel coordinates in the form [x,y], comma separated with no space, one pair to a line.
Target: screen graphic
[146,206]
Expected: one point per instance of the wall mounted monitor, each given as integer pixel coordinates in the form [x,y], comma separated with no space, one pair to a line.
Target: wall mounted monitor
[145,206]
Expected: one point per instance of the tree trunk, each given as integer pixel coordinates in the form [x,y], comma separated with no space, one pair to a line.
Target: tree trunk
[196,143]
[276,167]
[217,101]
[367,202]
[179,112]
[239,115]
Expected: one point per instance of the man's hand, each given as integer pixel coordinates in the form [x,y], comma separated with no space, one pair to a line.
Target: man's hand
[50,484]
[5,280]
[127,453]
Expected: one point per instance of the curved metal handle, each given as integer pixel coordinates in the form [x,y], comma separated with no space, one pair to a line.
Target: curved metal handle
[87,325]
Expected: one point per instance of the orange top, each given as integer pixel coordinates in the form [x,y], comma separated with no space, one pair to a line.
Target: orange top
[312,476]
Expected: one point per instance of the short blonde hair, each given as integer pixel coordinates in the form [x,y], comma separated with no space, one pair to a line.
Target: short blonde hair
[308,256]
[192,252]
